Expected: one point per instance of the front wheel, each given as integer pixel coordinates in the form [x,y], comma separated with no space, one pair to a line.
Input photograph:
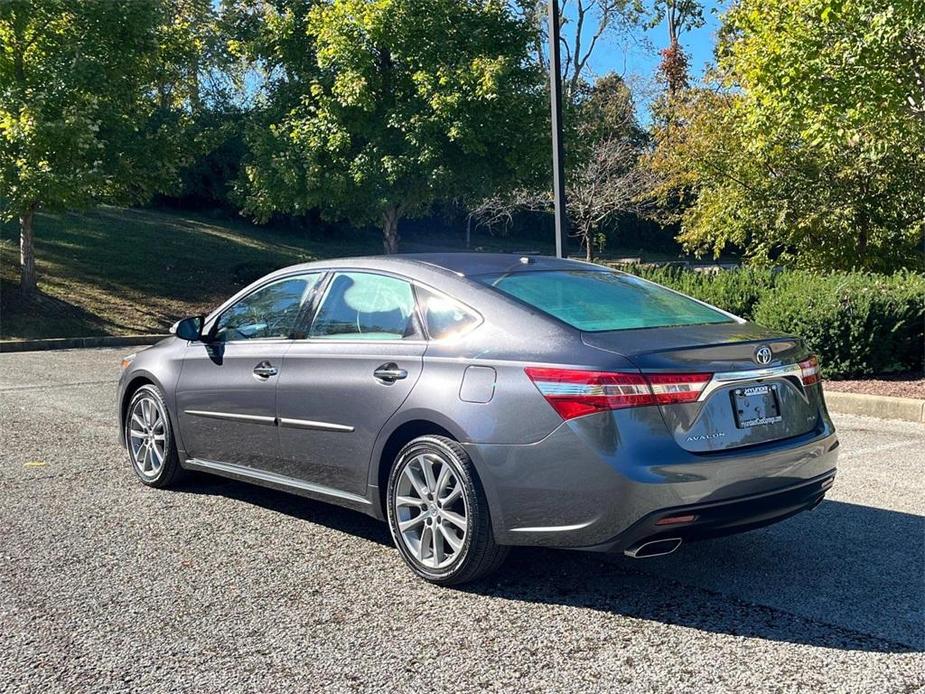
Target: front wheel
[149,438]
[438,514]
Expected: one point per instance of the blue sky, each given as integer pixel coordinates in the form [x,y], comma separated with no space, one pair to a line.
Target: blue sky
[637,59]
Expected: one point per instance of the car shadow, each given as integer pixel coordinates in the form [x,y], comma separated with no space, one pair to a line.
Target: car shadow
[844,576]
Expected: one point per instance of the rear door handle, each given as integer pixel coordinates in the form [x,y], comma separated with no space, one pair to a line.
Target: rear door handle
[389,373]
[264,370]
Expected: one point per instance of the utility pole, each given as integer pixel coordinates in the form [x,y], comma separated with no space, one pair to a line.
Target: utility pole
[558,158]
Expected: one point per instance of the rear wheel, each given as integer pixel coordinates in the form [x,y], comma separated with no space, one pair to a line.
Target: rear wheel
[438,514]
[149,438]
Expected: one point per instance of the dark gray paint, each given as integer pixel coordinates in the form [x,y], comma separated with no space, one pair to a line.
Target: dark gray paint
[548,482]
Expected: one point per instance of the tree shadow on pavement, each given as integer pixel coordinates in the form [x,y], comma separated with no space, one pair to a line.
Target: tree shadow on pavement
[844,576]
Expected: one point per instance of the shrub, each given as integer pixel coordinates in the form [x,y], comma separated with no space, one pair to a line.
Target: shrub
[736,291]
[857,323]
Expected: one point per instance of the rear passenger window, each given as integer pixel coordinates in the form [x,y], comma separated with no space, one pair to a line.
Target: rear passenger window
[444,317]
[364,306]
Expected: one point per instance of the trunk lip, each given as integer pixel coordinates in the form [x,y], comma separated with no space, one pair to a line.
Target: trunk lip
[671,339]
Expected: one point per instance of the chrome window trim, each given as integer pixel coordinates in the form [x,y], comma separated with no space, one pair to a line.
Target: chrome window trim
[727,378]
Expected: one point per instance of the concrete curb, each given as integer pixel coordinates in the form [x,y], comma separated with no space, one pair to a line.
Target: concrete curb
[882,406]
[79,342]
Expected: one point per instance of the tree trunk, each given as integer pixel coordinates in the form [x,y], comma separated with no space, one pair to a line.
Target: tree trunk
[390,230]
[27,284]
[589,250]
[861,260]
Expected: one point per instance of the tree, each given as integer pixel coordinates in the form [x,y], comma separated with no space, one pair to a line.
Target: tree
[679,16]
[603,179]
[585,26]
[408,101]
[80,120]
[812,154]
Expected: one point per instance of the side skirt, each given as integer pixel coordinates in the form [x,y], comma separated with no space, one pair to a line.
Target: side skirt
[282,483]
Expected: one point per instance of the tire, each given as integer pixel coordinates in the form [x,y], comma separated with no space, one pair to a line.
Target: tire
[153,456]
[446,537]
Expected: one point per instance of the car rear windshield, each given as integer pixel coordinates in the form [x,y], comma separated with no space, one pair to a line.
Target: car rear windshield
[598,301]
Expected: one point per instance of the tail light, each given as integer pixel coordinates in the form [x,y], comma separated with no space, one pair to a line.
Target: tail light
[574,393]
[670,389]
[810,371]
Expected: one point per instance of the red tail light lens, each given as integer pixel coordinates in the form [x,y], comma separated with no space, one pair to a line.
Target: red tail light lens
[810,369]
[674,388]
[574,393]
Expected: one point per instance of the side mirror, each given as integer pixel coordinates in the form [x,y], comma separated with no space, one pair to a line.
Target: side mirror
[188,328]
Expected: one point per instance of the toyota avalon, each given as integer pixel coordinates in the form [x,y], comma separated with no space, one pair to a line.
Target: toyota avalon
[479,401]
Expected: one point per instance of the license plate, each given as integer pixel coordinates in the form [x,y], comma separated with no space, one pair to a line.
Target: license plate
[756,406]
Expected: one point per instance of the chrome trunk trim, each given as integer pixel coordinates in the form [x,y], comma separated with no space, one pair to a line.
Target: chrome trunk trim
[719,380]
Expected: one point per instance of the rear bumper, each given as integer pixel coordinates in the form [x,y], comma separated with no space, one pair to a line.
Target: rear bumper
[602,481]
[723,517]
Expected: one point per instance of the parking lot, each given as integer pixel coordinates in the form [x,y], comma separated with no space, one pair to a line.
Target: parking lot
[108,585]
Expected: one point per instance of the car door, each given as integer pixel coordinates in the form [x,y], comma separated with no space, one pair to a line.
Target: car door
[337,388]
[226,394]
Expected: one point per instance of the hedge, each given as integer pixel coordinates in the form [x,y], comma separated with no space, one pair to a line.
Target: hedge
[736,291]
[859,324]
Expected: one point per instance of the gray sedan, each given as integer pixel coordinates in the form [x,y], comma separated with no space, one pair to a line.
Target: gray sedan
[480,401]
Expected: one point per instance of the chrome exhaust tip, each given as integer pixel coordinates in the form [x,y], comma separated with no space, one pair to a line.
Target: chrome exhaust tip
[654,548]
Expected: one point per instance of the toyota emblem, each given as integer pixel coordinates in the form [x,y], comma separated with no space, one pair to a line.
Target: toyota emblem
[763,355]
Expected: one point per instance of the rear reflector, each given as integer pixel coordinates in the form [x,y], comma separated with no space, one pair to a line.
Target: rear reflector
[574,393]
[810,369]
[675,520]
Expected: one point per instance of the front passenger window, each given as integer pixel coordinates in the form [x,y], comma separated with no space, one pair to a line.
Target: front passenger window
[269,312]
[363,306]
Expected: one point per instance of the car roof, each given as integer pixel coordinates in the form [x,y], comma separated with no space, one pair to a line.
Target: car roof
[468,264]
[460,264]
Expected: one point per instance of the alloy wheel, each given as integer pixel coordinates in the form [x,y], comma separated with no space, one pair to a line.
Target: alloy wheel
[147,437]
[431,510]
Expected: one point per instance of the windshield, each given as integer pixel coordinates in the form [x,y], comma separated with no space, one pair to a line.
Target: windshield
[597,301]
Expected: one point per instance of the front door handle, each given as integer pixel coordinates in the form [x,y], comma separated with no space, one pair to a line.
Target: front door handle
[264,370]
[389,373]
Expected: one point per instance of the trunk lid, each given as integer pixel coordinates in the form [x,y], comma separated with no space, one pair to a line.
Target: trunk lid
[746,402]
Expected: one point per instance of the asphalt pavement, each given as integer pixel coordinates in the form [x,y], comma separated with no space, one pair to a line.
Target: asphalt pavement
[109,586]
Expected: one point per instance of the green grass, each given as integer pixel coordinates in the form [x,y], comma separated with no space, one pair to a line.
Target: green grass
[116,271]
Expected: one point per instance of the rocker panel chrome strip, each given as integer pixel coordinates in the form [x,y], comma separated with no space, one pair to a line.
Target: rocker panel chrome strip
[272,478]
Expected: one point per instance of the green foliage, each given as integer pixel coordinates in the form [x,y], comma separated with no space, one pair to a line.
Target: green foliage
[736,291]
[858,323]
[82,117]
[409,101]
[813,155]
